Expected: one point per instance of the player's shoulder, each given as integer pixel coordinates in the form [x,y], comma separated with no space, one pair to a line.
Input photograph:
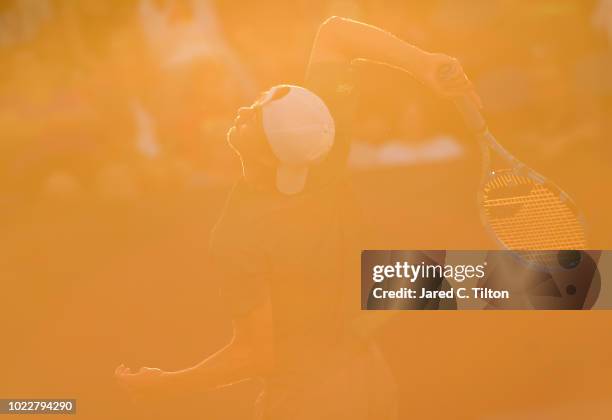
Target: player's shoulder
[330,78]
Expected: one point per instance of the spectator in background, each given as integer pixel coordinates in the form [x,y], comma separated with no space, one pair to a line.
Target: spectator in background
[602,18]
[196,68]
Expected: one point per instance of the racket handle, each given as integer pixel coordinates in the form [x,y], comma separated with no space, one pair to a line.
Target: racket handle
[471,115]
[466,106]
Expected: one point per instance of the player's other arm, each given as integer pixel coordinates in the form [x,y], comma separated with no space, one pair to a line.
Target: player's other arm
[250,353]
[344,40]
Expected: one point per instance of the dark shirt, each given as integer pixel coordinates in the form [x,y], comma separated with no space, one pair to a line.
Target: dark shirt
[297,249]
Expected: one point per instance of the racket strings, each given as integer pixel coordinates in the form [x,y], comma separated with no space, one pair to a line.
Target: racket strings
[529,216]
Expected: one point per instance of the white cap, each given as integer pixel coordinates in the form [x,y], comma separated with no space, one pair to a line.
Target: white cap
[300,130]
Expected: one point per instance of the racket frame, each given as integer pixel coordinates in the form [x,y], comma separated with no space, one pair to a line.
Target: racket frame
[489,145]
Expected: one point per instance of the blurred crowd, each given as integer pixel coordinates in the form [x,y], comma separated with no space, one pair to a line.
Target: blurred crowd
[118,98]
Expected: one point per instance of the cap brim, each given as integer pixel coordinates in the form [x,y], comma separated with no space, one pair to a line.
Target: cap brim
[291,179]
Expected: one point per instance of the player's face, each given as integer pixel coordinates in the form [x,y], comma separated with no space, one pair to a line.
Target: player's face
[247,136]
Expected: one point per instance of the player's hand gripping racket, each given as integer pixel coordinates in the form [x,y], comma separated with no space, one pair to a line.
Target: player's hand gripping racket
[520,208]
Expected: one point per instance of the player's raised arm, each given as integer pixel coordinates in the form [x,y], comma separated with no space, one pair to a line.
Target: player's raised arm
[344,40]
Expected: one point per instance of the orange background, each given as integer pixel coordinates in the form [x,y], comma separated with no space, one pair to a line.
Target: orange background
[103,240]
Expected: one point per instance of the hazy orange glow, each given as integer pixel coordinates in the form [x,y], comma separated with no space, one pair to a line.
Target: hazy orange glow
[114,168]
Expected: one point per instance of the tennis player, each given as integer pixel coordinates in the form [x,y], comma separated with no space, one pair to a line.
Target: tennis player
[286,246]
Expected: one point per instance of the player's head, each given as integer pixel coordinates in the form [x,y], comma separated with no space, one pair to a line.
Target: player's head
[286,131]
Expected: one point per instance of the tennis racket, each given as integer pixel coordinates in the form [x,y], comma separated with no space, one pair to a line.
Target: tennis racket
[521,209]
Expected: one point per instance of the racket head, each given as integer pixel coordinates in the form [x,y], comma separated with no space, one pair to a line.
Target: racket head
[522,210]
[525,212]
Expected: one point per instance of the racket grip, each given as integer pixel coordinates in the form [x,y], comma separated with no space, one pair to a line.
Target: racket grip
[466,106]
[471,115]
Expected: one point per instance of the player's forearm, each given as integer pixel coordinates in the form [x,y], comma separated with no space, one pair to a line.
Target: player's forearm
[349,39]
[232,363]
